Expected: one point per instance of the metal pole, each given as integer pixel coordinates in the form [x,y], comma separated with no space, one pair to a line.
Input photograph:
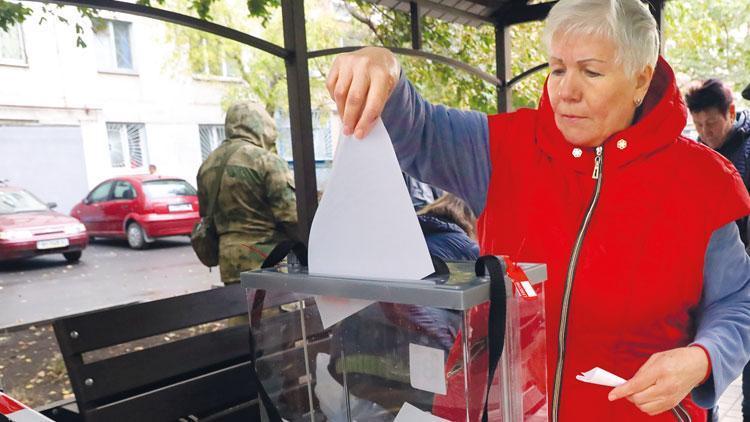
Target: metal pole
[502,61]
[300,113]
[657,9]
[416,26]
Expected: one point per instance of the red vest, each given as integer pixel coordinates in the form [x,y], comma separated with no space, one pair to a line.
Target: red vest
[639,271]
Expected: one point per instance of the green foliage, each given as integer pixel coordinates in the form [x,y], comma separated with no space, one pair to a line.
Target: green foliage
[262,76]
[709,38]
[262,8]
[438,82]
[16,13]
[703,38]
[11,14]
[526,53]
[476,46]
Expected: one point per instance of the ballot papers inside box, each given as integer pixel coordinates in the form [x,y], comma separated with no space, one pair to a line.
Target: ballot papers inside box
[345,349]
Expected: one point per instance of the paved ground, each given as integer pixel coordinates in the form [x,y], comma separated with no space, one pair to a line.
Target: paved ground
[109,274]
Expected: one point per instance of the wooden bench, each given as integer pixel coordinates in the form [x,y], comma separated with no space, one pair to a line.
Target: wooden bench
[201,377]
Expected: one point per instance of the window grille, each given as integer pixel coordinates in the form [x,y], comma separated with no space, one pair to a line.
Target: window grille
[127,144]
[210,136]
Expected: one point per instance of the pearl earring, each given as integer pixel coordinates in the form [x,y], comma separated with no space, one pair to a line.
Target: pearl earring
[638,101]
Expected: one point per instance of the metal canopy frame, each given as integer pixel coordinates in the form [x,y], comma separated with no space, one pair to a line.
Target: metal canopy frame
[499,13]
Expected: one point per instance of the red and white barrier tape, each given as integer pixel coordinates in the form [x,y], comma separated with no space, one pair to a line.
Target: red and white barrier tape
[17,412]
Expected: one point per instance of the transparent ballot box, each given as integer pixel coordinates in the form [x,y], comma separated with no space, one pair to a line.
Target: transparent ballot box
[397,350]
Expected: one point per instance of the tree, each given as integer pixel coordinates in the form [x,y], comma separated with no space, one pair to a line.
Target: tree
[476,46]
[378,26]
[709,38]
[703,38]
[263,75]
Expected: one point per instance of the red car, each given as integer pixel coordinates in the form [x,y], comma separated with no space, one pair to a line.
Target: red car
[139,208]
[29,227]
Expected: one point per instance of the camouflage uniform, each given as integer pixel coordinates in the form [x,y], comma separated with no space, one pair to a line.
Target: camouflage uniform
[256,207]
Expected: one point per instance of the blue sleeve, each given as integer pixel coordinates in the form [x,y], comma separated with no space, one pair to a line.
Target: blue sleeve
[724,313]
[441,146]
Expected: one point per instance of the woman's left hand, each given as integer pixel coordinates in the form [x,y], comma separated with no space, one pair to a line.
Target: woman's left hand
[664,380]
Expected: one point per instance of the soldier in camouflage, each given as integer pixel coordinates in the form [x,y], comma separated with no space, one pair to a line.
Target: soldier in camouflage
[256,207]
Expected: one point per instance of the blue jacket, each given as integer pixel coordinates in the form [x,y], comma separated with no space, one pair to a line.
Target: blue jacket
[446,240]
[737,150]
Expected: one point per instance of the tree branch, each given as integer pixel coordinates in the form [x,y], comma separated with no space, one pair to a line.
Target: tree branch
[365,20]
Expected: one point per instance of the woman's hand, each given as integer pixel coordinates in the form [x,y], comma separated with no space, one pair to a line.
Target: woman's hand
[360,82]
[664,380]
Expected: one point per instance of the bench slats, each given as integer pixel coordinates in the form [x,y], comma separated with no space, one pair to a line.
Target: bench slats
[106,328]
[227,387]
[157,366]
[206,374]
[219,389]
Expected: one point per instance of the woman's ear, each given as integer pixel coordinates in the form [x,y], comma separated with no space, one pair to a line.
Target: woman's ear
[643,81]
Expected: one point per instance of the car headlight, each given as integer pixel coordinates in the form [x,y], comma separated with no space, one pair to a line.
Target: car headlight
[15,235]
[75,228]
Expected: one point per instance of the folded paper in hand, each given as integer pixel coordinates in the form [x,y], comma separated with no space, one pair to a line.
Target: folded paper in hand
[601,377]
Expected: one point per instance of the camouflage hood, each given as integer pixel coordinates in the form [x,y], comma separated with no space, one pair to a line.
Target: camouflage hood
[250,121]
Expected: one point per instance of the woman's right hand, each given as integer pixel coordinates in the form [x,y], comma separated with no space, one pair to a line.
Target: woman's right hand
[360,83]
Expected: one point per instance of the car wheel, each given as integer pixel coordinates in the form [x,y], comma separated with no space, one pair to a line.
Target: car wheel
[72,256]
[136,237]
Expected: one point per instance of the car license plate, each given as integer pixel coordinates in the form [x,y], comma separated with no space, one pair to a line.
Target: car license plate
[180,207]
[52,243]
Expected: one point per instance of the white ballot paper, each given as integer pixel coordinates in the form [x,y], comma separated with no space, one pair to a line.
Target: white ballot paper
[601,377]
[411,413]
[365,225]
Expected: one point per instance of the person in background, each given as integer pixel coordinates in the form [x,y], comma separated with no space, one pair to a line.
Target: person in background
[151,169]
[712,107]
[448,227]
[256,206]
[718,125]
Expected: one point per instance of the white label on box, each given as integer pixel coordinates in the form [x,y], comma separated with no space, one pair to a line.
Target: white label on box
[410,413]
[427,368]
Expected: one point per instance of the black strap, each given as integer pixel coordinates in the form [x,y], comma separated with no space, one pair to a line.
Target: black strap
[217,183]
[277,255]
[282,250]
[270,408]
[496,323]
[441,268]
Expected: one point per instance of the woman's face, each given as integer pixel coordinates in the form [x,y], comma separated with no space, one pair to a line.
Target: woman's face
[590,93]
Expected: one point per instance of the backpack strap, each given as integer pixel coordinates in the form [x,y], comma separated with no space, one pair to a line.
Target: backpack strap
[217,183]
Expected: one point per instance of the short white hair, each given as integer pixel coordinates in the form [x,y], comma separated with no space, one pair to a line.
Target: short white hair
[628,23]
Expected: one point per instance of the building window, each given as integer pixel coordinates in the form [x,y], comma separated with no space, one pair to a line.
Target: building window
[322,135]
[211,60]
[11,46]
[127,145]
[113,45]
[211,136]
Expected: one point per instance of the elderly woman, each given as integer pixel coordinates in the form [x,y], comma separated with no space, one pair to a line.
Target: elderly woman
[647,275]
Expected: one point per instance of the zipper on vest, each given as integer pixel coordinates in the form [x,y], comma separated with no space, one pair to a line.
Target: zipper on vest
[681,414]
[563,332]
